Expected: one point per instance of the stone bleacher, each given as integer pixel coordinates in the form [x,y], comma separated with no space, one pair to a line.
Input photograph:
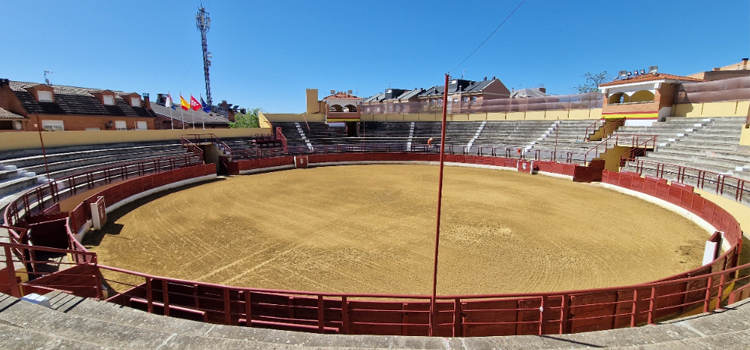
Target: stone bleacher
[79,323]
[567,135]
[707,144]
[512,134]
[291,132]
[23,169]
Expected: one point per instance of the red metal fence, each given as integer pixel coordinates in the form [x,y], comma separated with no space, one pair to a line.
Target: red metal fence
[705,288]
[45,196]
[721,184]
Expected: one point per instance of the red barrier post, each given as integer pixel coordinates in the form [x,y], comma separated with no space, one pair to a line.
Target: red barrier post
[14,290]
[165,296]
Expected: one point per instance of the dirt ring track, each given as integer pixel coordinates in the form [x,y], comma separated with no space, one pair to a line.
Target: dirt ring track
[370,229]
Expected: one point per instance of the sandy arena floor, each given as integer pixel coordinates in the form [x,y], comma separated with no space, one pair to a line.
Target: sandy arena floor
[370,229]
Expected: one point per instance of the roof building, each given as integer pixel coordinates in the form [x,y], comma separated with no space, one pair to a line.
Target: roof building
[641,97]
[739,69]
[61,107]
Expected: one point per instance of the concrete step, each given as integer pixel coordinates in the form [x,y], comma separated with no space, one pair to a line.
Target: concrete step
[22,338]
[11,186]
[116,335]
[702,152]
[711,145]
[701,160]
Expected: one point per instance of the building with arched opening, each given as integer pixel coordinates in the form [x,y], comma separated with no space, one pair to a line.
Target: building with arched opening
[641,98]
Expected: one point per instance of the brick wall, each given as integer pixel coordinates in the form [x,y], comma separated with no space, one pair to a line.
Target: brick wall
[82,122]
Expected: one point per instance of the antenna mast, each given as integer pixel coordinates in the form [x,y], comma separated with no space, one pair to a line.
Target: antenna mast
[203,23]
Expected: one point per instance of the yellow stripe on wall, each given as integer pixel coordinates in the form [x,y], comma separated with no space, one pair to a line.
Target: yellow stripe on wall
[631,115]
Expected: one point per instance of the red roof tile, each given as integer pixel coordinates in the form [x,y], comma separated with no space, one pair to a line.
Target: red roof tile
[649,77]
[341,96]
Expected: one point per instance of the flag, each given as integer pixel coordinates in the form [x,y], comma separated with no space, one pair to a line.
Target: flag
[194,104]
[206,107]
[185,105]
[169,103]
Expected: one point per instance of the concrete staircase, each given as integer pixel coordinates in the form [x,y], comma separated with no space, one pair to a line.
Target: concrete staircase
[74,322]
[707,144]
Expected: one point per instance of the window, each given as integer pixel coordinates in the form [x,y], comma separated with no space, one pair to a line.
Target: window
[135,101]
[93,129]
[466,98]
[44,96]
[109,100]
[439,102]
[455,100]
[142,126]
[473,99]
[53,125]
[121,125]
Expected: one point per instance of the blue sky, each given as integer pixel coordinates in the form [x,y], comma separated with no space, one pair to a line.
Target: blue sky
[266,53]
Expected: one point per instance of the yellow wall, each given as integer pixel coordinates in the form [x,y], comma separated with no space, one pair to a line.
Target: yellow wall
[312,101]
[745,140]
[711,109]
[293,117]
[535,115]
[30,139]
[557,114]
[612,157]
[262,121]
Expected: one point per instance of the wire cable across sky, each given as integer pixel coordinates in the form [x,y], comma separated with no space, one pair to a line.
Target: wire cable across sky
[488,38]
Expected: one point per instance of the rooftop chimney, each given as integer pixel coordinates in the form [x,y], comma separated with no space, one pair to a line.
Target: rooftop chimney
[544,90]
[493,77]
[744,63]
[485,78]
[146,100]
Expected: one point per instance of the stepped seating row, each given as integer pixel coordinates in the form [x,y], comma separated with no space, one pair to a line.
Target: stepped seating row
[566,136]
[23,169]
[712,146]
[80,323]
[291,132]
[512,134]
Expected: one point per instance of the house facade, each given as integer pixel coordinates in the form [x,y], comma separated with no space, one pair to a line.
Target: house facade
[641,98]
[33,106]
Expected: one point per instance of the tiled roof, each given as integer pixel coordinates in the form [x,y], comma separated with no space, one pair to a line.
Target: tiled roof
[527,93]
[649,77]
[8,115]
[76,101]
[190,116]
[376,98]
[341,96]
[409,94]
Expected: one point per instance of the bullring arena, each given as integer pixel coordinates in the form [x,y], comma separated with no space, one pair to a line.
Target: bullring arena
[368,229]
[261,242]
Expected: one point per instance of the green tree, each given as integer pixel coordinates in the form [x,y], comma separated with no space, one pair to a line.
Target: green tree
[593,80]
[249,119]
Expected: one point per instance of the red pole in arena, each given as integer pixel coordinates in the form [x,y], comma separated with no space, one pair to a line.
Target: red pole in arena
[433,321]
[41,141]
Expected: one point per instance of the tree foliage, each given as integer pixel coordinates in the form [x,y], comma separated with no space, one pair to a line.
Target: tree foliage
[593,80]
[249,119]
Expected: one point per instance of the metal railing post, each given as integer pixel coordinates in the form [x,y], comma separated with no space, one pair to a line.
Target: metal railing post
[165,296]
[149,296]
[14,290]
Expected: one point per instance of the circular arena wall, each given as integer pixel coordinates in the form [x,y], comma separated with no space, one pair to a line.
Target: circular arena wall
[370,228]
[701,289]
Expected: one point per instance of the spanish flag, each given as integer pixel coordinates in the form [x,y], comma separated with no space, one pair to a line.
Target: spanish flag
[185,105]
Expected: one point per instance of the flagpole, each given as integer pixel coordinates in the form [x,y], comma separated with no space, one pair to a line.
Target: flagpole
[171,120]
[182,115]
[432,327]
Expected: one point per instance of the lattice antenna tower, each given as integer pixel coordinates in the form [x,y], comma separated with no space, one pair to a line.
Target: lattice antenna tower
[203,22]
